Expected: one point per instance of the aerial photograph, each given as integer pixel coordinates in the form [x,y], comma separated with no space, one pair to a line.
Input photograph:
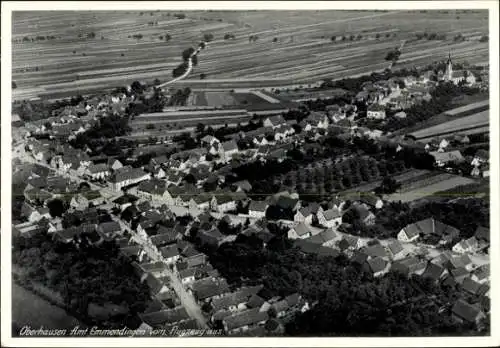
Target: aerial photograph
[250,173]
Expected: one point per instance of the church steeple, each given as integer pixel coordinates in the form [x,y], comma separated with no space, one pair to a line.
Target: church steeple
[449,68]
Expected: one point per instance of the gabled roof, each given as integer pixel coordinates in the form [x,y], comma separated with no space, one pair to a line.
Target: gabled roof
[301,229]
[109,227]
[433,272]
[466,311]
[395,247]
[471,286]
[245,318]
[376,250]
[169,251]
[260,206]
[376,264]
[235,298]
[230,145]
[204,289]
[331,214]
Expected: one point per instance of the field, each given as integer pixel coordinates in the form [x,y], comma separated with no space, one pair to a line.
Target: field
[53,317]
[476,123]
[427,185]
[92,51]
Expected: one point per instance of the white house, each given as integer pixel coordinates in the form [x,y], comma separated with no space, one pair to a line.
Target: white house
[97,171]
[301,230]
[223,203]
[408,234]
[466,245]
[127,176]
[274,121]
[304,214]
[228,149]
[376,111]
[330,217]
[257,209]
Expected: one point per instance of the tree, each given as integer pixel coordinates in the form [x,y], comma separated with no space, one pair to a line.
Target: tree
[202,76]
[359,37]
[333,38]
[377,36]
[168,37]
[190,179]
[208,37]
[56,208]
[14,85]
[484,38]
[156,81]
[275,39]
[200,127]
[388,185]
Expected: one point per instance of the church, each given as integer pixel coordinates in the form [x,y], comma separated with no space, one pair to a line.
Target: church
[457,76]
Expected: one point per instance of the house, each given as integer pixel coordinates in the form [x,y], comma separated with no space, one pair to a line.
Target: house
[466,245]
[426,227]
[365,215]
[286,202]
[462,312]
[482,274]
[376,111]
[257,209]
[211,237]
[235,301]
[209,140]
[164,236]
[376,250]
[109,230]
[127,176]
[85,199]
[222,203]
[228,149]
[330,217]
[396,250]
[304,214]
[243,321]
[443,158]
[164,317]
[482,234]
[114,164]
[459,274]
[274,121]
[200,202]
[409,265]
[434,272]
[480,157]
[242,186]
[187,276]
[315,120]
[300,230]
[375,266]
[97,171]
[350,243]
[371,201]
[207,289]
[170,254]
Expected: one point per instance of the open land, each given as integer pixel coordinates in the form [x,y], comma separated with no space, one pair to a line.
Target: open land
[303,52]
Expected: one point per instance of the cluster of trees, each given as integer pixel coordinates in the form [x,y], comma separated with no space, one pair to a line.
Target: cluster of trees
[179,97]
[430,36]
[136,36]
[484,38]
[107,127]
[167,37]
[85,275]
[393,55]
[253,38]
[210,37]
[221,132]
[179,15]
[229,36]
[459,37]
[347,301]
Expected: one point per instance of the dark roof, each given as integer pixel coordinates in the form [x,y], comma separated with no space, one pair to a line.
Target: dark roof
[235,298]
[248,317]
[376,264]
[260,206]
[169,251]
[126,198]
[433,271]
[376,250]
[483,233]
[255,301]
[165,316]
[206,289]
[286,202]
[466,311]
[395,247]
[109,227]
[471,286]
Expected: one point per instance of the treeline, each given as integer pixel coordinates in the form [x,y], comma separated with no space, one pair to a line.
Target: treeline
[38,110]
[346,301]
[89,274]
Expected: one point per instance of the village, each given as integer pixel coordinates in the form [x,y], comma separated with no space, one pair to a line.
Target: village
[167,202]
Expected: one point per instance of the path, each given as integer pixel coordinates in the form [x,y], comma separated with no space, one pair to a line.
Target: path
[188,70]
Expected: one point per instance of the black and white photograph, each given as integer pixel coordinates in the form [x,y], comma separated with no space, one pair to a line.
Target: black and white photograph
[224,170]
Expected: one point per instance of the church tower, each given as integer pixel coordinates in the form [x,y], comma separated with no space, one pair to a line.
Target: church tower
[449,69]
